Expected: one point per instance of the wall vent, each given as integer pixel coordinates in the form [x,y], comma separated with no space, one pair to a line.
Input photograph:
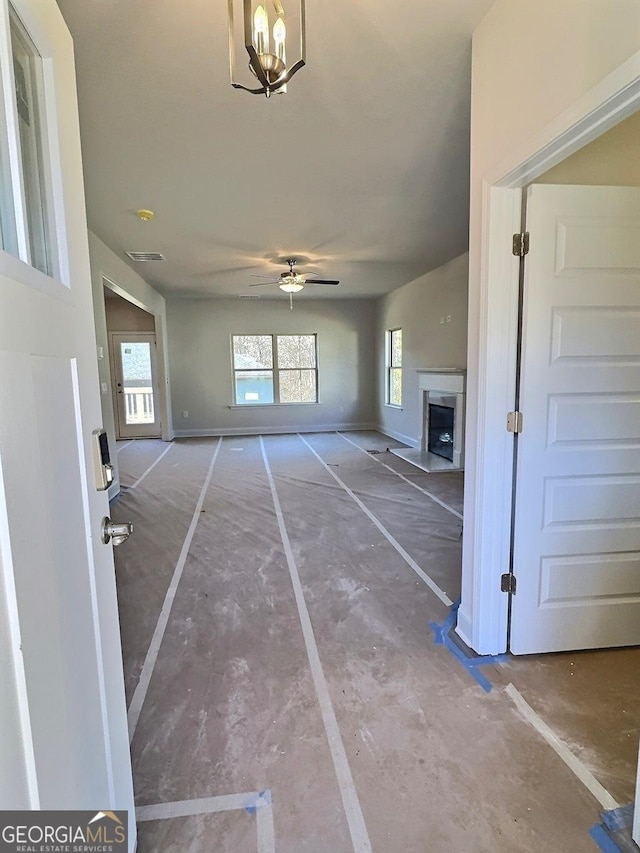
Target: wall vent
[145,256]
[252,296]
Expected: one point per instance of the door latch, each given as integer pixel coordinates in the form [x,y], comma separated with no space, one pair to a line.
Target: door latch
[118,532]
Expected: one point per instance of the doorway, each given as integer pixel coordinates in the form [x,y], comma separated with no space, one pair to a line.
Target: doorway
[133,369]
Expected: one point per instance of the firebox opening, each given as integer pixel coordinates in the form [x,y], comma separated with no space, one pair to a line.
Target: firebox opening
[441,431]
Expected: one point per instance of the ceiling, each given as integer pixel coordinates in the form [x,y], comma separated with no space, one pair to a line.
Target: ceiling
[361,170]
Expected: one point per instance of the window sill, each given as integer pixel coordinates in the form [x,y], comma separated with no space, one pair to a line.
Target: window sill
[270,405]
[391,406]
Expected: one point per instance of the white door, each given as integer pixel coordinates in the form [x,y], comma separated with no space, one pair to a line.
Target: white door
[133,368]
[577,509]
[63,730]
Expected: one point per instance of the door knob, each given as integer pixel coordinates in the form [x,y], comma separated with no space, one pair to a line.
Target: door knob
[118,532]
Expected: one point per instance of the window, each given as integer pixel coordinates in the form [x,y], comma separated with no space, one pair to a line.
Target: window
[276,369]
[26,223]
[394,367]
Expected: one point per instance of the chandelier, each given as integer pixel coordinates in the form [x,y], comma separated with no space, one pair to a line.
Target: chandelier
[274,41]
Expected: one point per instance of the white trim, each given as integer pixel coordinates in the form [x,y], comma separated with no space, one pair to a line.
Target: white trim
[272,430]
[398,436]
[482,618]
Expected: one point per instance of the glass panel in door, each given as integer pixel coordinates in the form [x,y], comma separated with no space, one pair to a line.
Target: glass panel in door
[135,385]
[137,382]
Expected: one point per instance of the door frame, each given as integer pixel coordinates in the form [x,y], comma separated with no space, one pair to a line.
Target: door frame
[115,366]
[484,627]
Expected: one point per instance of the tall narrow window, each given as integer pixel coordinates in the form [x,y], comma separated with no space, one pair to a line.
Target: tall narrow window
[277,369]
[394,367]
[27,69]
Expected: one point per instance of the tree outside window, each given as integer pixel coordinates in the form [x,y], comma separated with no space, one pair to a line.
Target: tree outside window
[394,367]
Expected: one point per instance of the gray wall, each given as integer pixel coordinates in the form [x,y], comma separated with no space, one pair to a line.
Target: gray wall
[107,268]
[417,308]
[200,356]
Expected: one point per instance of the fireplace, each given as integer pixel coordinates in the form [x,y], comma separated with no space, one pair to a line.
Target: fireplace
[440,430]
[440,446]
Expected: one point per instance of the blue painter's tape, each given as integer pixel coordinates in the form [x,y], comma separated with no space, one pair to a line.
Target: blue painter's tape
[442,637]
[603,839]
[263,798]
[617,819]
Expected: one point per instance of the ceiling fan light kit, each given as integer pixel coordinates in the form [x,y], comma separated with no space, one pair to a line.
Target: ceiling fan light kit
[292,282]
[275,43]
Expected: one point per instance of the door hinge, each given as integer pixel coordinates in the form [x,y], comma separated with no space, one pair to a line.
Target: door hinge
[508,583]
[514,422]
[521,244]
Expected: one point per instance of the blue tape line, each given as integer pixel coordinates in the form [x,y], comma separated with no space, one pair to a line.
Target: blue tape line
[263,798]
[617,819]
[603,839]
[441,637]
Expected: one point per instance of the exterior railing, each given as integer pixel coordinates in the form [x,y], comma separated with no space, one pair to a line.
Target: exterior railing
[139,405]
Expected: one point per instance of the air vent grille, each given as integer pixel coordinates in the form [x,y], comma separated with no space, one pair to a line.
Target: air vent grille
[145,256]
[249,297]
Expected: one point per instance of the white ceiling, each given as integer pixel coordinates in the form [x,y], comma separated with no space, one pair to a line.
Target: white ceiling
[361,168]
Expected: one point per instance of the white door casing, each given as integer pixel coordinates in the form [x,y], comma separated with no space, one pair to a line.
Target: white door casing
[126,426]
[62,707]
[577,510]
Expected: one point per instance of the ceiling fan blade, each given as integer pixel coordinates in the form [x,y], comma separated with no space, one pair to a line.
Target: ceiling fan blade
[270,277]
[320,281]
[262,283]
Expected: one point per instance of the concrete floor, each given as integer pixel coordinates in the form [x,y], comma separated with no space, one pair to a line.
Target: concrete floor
[294,657]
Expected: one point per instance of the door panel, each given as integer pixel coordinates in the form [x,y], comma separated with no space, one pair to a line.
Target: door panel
[134,370]
[577,516]
[62,708]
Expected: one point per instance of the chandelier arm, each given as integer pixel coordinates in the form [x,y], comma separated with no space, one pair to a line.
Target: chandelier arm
[256,65]
[287,75]
[247,89]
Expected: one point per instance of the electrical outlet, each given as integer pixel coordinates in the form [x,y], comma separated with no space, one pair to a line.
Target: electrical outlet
[185,414]
[103,385]
[100,352]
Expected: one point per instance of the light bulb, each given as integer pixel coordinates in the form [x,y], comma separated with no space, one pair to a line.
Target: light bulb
[279,38]
[261,30]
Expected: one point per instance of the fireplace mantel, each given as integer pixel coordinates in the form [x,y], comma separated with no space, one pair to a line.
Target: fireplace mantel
[437,385]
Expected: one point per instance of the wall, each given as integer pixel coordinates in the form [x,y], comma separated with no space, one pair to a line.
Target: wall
[200,350]
[417,308]
[611,160]
[122,316]
[532,65]
[107,267]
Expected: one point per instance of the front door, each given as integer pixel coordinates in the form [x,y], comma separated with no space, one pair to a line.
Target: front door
[63,732]
[577,508]
[133,368]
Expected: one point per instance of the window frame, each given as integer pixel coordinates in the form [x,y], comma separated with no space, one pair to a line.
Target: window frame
[275,369]
[16,239]
[391,366]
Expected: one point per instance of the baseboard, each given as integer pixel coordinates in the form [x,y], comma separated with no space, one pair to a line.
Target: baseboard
[463,627]
[399,436]
[275,430]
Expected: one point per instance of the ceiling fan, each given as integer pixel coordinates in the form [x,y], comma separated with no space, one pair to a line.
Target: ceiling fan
[291,282]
